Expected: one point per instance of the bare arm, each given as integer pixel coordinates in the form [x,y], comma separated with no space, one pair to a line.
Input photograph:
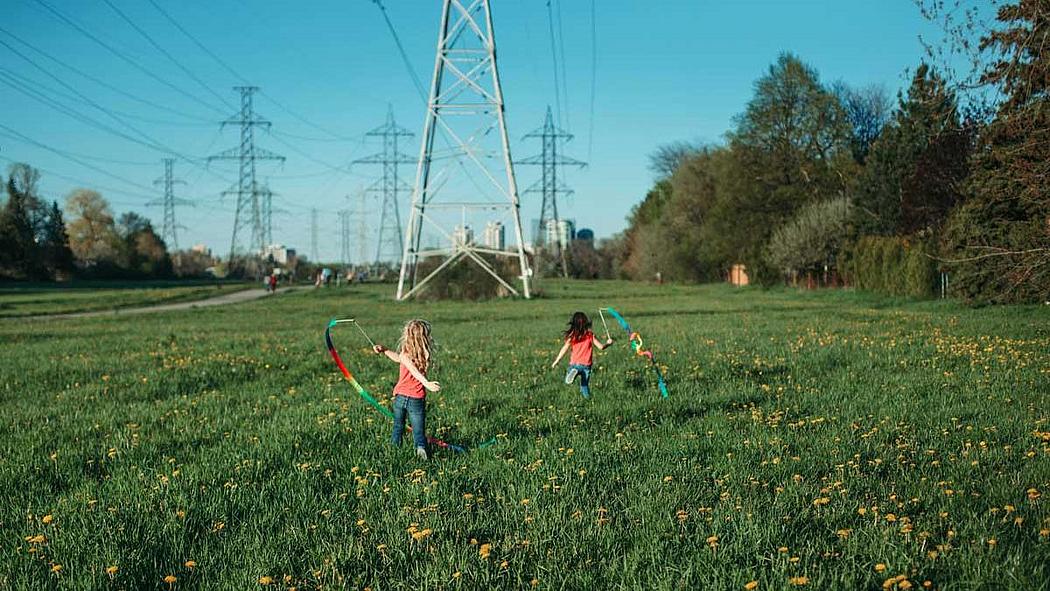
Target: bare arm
[601,346]
[564,350]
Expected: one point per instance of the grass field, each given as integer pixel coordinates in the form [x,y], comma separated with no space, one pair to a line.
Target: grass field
[21,300]
[821,440]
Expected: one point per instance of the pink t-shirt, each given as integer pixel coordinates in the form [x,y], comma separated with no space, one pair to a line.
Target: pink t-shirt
[582,349]
[408,386]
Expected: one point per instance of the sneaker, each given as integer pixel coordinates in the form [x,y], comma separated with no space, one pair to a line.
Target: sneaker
[571,376]
[421,453]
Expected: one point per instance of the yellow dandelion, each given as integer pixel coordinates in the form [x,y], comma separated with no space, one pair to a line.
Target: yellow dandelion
[534,583]
[843,533]
[751,585]
[37,539]
[782,549]
[457,575]
[111,570]
[799,581]
[170,579]
[880,567]
[191,563]
[992,542]
[265,580]
[47,519]
[485,550]
[56,568]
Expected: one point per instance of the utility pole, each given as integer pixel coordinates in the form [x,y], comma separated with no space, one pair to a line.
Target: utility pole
[390,241]
[313,235]
[466,109]
[248,214]
[362,229]
[169,229]
[551,184]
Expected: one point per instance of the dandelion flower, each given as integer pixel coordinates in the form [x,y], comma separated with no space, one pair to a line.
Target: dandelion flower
[170,579]
[265,580]
[111,570]
[880,567]
[485,550]
[190,563]
[751,585]
[56,568]
[47,519]
[799,581]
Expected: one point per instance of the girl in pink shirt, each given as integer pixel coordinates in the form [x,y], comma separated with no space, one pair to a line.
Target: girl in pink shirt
[581,340]
[410,392]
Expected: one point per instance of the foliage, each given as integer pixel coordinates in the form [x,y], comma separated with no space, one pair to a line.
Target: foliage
[998,243]
[33,242]
[893,266]
[92,231]
[812,240]
[835,436]
[915,170]
[867,109]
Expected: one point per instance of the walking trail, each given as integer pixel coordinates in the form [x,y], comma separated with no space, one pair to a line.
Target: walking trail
[236,297]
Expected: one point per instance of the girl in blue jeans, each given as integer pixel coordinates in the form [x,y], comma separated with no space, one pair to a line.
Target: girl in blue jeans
[580,339]
[410,392]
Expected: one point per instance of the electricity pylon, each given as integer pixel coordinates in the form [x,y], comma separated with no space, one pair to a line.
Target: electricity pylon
[551,183]
[169,229]
[344,238]
[248,214]
[389,243]
[466,109]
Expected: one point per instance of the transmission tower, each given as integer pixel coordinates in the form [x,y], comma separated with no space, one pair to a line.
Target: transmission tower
[266,211]
[169,229]
[389,243]
[248,214]
[344,234]
[466,109]
[313,235]
[551,183]
[361,235]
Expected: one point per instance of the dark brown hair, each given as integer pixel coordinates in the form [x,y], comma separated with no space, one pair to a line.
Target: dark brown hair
[578,326]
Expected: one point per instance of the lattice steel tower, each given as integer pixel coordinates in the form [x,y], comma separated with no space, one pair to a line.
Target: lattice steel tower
[390,243]
[475,174]
[551,184]
[169,229]
[248,214]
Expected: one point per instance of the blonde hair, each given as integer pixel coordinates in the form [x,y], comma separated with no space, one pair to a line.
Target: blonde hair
[415,343]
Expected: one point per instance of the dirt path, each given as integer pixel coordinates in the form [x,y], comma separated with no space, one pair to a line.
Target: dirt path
[236,297]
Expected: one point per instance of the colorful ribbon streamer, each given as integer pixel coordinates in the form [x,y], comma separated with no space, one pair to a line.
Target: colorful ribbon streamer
[371,399]
[637,345]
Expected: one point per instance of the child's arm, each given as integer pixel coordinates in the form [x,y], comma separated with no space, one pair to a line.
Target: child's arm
[431,386]
[601,346]
[564,350]
[391,355]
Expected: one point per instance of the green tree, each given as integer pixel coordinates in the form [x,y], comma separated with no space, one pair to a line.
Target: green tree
[915,171]
[998,242]
[142,252]
[21,223]
[54,245]
[92,233]
[791,146]
[812,240]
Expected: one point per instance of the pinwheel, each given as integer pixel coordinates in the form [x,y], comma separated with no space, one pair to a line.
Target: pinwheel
[637,345]
[364,394]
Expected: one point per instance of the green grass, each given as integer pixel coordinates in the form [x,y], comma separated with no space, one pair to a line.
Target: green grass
[35,299]
[797,424]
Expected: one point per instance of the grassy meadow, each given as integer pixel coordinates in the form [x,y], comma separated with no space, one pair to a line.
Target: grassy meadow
[812,440]
[36,299]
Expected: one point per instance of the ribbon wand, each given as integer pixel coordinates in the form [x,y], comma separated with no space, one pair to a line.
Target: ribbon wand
[602,314]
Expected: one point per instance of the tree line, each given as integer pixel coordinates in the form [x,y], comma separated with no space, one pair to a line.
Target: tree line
[830,183]
[36,243]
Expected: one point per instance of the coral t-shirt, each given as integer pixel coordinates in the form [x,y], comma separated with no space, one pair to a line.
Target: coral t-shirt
[582,349]
[408,386]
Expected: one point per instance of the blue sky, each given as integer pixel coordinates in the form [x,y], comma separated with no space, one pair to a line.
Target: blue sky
[667,70]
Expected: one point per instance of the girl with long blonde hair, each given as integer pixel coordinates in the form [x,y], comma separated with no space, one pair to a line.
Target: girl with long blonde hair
[414,356]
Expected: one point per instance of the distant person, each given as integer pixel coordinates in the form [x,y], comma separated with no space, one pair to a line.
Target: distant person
[410,393]
[266,282]
[581,340]
[273,283]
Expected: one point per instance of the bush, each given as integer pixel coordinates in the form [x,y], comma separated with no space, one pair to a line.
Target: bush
[892,265]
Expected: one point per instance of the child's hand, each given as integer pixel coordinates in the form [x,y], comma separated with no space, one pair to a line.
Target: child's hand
[432,386]
[609,341]
[379,349]
[553,365]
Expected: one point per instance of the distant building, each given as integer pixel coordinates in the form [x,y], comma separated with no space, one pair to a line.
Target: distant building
[462,236]
[495,235]
[279,253]
[201,249]
[585,234]
[560,232]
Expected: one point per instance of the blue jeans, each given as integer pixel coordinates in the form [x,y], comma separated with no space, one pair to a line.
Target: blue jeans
[584,371]
[416,409]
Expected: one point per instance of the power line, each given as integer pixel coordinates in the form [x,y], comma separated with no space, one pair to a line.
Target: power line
[564,76]
[390,243]
[170,228]
[196,42]
[401,49]
[594,76]
[165,52]
[554,61]
[84,183]
[105,84]
[124,57]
